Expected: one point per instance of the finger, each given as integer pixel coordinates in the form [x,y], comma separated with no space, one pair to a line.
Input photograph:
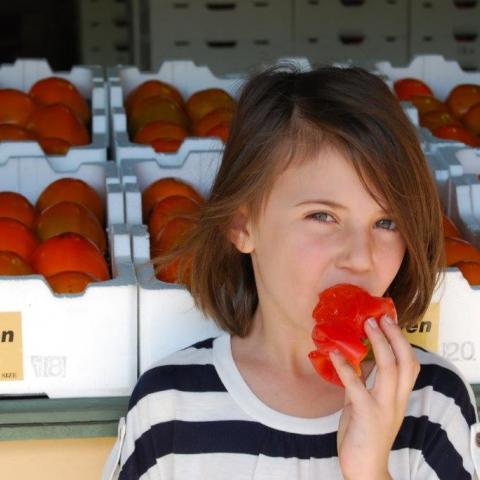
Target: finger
[408,365]
[355,390]
[385,386]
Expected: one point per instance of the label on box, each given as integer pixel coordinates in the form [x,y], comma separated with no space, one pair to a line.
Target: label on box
[11,346]
[425,332]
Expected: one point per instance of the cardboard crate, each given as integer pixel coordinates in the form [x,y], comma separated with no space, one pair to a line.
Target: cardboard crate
[341,31]
[187,78]
[82,345]
[448,27]
[235,35]
[441,76]
[90,81]
[168,319]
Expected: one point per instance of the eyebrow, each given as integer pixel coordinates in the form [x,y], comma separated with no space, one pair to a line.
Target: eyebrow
[333,204]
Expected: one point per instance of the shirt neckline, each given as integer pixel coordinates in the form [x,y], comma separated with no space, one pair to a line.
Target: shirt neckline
[259,411]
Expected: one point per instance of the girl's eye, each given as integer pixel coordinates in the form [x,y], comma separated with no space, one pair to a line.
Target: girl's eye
[322,217]
[387,224]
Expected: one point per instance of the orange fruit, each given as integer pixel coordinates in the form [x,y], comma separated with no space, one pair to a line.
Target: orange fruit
[15,205]
[73,217]
[70,282]
[72,190]
[16,107]
[437,118]
[461,98]
[169,237]
[458,250]
[152,88]
[205,101]
[471,271]
[166,187]
[222,130]
[406,88]
[58,121]
[14,132]
[169,208]
[472,119]
[69,252]
[13,265]
[166,145]
[54,146]
[425,103]
[17,238]
[51,90]
[211,120]
[155,130]
[460,134]
[449,228]
[153,109]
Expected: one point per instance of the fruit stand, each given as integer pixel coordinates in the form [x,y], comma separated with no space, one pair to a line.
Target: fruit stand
[71,351]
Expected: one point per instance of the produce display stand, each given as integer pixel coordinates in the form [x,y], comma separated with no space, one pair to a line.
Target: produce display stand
[90,82]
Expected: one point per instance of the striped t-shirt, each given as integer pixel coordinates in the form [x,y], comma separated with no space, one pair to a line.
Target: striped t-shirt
[192,416]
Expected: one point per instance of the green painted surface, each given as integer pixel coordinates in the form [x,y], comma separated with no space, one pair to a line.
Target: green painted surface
[24,419]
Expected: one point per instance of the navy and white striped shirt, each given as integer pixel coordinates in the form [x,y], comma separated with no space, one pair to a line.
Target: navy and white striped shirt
[192,416]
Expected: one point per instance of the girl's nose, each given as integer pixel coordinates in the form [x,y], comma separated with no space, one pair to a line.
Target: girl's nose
[356,252]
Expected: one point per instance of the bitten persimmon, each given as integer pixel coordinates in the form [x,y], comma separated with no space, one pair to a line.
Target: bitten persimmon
[51,90]
[406,88]
[54,146]
[17,237]
[460,134]
[72,190]
[461,98]
[166,187]
[458,250]
[449,228]
[69,252]
[471,271]
[15,205]
[58,121]
[152,88]
[70,282]
[70,217]
[13,265]
[205,101]
[14,132]
[155,130]
[16,107]
[211,120]
[169,208]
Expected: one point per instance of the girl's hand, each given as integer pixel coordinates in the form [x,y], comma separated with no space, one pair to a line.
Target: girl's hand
[372,418]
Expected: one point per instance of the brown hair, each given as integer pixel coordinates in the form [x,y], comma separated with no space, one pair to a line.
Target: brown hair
[285,114]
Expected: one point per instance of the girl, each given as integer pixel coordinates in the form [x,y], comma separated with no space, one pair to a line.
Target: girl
[322,182]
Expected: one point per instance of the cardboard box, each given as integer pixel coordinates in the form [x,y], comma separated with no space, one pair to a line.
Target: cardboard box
[90,81]
[168,318]
[78,345]
[187,78]
[235,35]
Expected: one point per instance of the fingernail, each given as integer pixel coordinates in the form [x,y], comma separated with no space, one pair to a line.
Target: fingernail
[388,320]
[372,323]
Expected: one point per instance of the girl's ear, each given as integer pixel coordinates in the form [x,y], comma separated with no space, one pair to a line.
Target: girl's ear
[239,232]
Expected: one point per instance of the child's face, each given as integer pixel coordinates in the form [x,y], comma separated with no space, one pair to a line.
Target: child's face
[301,244]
